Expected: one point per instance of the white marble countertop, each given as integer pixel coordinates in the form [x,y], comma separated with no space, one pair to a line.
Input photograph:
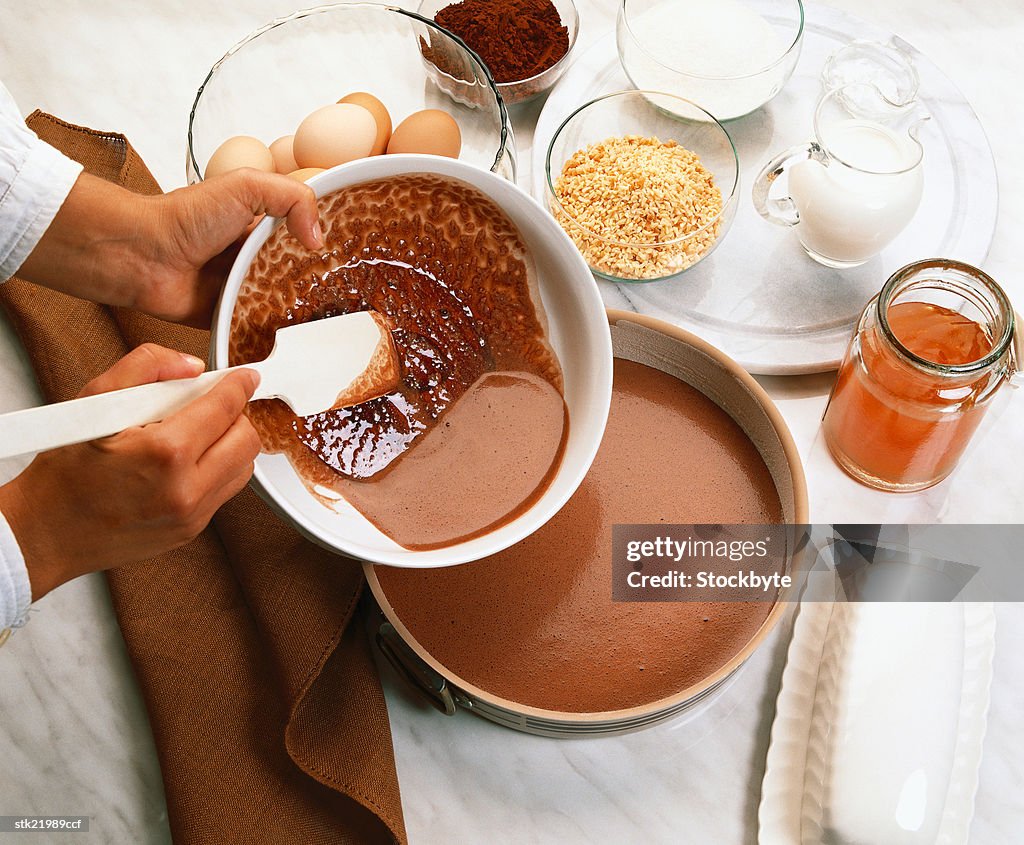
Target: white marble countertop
[75,737]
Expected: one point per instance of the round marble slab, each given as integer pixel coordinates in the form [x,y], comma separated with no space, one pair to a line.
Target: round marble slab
[760,298]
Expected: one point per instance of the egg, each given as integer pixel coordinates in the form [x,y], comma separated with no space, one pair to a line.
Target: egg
[429,131]
[240,151]
[334,135]
[380,115]
[284,157]
[305,173]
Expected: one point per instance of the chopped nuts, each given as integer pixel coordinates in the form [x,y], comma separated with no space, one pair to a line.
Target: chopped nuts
[638,208]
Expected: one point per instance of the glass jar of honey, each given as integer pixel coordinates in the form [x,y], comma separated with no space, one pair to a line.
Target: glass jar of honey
[929,354]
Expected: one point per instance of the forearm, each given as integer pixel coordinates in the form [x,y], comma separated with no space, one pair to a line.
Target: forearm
[165,255]
[96,247]
[37,536]
[137,494]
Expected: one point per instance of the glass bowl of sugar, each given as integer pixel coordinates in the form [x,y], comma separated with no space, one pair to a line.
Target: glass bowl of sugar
[728,56]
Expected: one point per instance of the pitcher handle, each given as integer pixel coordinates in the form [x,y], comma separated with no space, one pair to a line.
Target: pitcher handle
[783,211]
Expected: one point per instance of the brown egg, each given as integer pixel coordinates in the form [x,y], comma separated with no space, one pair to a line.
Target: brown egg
[429,131]
[305,173]
[334,135]
[284,156]
[240,151]
[380,114]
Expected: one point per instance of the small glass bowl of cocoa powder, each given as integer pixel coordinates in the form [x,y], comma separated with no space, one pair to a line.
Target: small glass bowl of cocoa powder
[526,44]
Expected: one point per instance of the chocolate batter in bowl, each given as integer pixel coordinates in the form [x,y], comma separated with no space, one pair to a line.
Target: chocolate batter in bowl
[503,349]
[530,637]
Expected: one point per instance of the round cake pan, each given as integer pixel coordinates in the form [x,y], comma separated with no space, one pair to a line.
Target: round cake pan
[693,361]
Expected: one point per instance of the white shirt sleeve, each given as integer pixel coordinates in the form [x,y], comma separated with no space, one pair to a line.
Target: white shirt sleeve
[35,179]
[15,589]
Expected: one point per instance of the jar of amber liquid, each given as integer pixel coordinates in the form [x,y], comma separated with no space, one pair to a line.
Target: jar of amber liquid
[929,354]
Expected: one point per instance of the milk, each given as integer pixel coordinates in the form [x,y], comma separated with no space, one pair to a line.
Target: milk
[854,206]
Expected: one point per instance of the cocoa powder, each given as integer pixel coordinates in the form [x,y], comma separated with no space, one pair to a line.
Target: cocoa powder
[516,39]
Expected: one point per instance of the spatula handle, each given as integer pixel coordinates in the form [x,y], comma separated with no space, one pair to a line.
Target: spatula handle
[79,420]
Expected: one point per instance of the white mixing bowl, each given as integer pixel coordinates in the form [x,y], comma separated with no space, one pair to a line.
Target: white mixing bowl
[578,332]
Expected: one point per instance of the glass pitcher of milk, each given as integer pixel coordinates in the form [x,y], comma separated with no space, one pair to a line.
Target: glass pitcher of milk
[857,185]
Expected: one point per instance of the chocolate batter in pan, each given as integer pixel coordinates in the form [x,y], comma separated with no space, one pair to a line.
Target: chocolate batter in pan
[536,624]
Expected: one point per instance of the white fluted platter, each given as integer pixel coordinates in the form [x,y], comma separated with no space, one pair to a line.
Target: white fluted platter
[879,725]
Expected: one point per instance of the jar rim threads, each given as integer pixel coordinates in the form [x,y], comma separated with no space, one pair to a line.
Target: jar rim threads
[998,311]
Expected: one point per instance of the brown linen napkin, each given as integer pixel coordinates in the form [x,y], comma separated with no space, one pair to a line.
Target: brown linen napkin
[268,715]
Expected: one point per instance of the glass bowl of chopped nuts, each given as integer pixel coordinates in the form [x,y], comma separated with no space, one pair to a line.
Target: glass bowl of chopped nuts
[645,184]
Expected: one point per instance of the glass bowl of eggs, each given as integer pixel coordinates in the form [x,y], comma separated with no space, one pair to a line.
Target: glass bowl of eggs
[333,84]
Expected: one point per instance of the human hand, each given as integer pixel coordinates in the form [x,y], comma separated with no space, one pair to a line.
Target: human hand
[166,255]
[139,493]
[199,233]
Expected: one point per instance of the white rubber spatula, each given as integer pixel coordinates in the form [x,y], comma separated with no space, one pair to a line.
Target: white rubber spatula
[330,363]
